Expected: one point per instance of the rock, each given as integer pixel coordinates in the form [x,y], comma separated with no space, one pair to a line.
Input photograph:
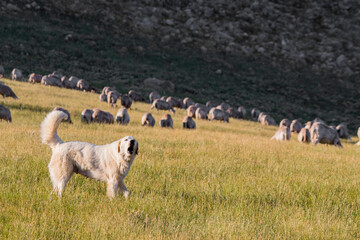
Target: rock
[160,85]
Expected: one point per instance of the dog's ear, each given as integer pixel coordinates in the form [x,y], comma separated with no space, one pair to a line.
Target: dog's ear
[118,148]
[137,149]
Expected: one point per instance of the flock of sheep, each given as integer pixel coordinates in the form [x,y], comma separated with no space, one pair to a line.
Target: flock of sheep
[315,131]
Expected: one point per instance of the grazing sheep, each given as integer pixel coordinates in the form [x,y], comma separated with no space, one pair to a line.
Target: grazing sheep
[166,121]
[56,75]
[358,133]
[65,111]
[255,114]
[162,105]
[308,125]
[2,71]
[242,110]
[16,75]
[188,102]
[200,113]
[100,116]
[136,96]
[35,78]
[5,114]
[175,102]
[234,113]
[106,90]
[285,122]
[304,135]
[295,126]
[217,114]
[153,96]
[282,134]
[122,116]
[6,91]
[103,97]
[343,131]
[266,120]
[83,85]
[112,97]
[321,133]
[51,81]
[318,120]
[163,98]
[210,104]
[70,83]
[260,116]
[204,107]
[86,116]
[148,120]
[191,111]
[223,106]
[189,123]
[126,101]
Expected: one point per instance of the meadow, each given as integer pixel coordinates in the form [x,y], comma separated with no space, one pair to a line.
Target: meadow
[220,181]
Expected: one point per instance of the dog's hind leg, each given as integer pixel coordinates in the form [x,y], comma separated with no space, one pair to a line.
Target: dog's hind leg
[61,170]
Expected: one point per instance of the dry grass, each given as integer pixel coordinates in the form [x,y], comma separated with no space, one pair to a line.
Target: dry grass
[220,181]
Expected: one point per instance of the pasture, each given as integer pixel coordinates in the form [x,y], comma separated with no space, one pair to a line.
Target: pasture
[220,181]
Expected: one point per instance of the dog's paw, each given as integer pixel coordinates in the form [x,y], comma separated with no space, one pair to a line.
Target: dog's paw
[126,194]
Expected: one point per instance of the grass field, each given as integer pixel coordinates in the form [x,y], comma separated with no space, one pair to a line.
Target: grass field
[221,181]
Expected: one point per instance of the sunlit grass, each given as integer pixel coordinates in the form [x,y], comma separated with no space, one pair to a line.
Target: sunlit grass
[218,181]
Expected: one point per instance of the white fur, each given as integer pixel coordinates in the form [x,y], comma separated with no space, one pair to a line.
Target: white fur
[109,163]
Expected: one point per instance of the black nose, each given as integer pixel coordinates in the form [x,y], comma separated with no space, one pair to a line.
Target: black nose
[131,147]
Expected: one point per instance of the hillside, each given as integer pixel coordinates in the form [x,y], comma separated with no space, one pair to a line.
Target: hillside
[289,59]
[221,180]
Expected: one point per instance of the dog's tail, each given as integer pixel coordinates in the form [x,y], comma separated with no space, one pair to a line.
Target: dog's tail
[49,128]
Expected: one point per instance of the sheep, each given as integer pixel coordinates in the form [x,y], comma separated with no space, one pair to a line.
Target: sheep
[202,106]
[5,114]
[126,101]
[153,96]
[35,78]
[56,75]
[16,75]
[86,116]
[103,97]
[210,104]
[255,114]
[83,85]
[70,83]
[65,111]
[122,116]
[162,105]
[107,89]
[148,120]
[163,98]
[100,116]
[6,91]
[166,121]
[217,114]
[223,106]
[304,135]
[285,122]
[242,110]
[112,97]
[189,123]
[308,125]
[343,131]
[136,96]
[321,133]
[191,111]
[358,133]
[234,113]
[282,134]
[188,102]
[175,102]
[51,81]
[266,120]
[2,71]
[295,126]
[200,113]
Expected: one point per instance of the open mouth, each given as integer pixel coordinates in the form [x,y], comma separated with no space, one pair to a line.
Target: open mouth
[131,147]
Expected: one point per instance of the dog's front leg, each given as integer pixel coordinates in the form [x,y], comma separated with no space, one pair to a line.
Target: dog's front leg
[112,186]
[123,190]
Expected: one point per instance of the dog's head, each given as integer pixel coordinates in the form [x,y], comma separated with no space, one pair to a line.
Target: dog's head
[128,147]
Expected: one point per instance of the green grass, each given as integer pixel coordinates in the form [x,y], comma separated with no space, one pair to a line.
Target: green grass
[221,181]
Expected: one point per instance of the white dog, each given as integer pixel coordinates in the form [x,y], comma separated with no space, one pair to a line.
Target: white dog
[109,163]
